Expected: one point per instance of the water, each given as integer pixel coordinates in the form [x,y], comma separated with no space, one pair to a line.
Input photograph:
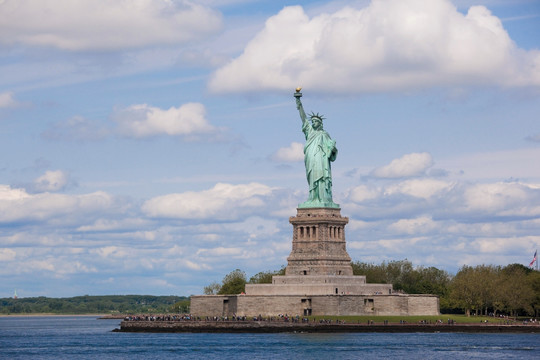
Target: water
[85,337]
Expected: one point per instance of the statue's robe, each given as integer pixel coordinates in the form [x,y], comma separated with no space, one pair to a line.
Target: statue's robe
[319,151]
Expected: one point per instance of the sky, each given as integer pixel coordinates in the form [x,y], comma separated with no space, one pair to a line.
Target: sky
[153,146]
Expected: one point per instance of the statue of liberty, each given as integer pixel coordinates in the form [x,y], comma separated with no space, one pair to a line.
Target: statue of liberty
[319,151]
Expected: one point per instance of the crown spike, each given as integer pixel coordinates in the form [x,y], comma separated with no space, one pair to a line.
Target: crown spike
[316,115]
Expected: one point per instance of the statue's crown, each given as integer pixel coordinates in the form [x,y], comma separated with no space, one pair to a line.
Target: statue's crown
[316,116]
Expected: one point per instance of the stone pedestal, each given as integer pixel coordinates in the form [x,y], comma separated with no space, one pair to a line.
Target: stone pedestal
[318,280]
[318,246]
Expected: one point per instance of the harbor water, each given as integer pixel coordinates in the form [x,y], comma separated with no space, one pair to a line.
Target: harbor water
[87,337]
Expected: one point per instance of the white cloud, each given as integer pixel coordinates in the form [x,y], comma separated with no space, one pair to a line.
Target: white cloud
[459,201]
[60,267]
[255,227]
[420,188]
[17,205]
[363,192]
[39,265]
[209,237]
[505,244]
[7,100]
[138,121]
[236,253]
[51,181]
[114,225]
[408,165]
[503,199]
[113,252]
[494,228]
[388,45]
[419,225]
[7,254]
[143,121]
[221,251]
[195,266]
[223,201]
[292,153]
[104,24]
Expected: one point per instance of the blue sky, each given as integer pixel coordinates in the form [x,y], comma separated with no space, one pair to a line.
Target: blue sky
[151,147]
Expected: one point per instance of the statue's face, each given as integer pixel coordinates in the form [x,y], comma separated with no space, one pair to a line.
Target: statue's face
[317,124]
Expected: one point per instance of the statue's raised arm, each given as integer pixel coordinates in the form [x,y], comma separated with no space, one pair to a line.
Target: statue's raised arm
[319,151]
[299,106]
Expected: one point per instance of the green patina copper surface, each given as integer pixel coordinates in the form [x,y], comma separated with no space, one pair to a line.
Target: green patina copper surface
[319,152]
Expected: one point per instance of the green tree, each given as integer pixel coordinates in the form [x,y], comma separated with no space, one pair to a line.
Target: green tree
[519,296]
[265,277]
[375,274]
[477,288]
[400,274]
[404,276]
[212,289]
[233,283]
[488,279]
[88,304]
[534,281]
[181,306]
[56,305]
[430,281]
[463,290]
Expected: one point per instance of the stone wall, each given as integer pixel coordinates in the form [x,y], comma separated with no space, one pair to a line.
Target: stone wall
[325,279]
[420,304]
[318,285]
[318,305]
[318,289]
[213,305]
